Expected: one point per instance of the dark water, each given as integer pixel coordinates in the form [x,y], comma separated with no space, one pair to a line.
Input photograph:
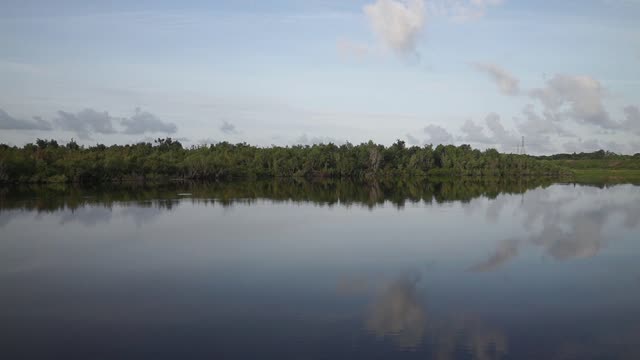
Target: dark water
[321,271]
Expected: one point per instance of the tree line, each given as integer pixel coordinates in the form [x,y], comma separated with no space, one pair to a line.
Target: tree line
[595,155]
[606,162]
[48,161]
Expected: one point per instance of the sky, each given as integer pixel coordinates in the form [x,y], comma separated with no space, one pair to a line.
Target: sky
[565,75]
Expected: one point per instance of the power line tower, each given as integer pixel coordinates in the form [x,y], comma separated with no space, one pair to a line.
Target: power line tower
[521,151]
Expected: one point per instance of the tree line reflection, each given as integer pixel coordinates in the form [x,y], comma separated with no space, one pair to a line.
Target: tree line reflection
[329,192]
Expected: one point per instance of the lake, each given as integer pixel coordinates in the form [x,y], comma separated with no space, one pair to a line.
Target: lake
[322,270]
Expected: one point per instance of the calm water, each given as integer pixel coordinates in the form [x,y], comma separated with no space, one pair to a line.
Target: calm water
[321,271]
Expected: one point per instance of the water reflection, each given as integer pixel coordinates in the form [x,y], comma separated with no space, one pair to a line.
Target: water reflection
[506,250]
[318,270]
[469,337]
[569,226]
[87,216]
[329,192]
[94,205]
[399,312]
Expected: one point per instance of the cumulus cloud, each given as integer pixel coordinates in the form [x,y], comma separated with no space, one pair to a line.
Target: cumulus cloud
[539,129]
[496,134]
[228,128]
[144,122]
[398,24]
[499,136]
[579,99]
[506,82]
[563,98]
[437,135]
[306,140]
[536,130]
[474,133]
[632,119]
[85,122]
[546,124]
[576,97]
[90,121]
[412,140]
[8,122]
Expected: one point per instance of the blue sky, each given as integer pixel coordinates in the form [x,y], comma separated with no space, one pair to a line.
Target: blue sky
[564,74]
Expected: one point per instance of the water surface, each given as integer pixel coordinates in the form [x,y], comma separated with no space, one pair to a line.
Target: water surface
[335,270]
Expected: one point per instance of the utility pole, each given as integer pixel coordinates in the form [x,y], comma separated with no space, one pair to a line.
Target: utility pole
[523,151]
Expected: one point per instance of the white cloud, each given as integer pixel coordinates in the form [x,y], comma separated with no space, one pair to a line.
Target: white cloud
[576,97]
[546,124]
[499,136]
[413,140]
[306,140]
[144,122]
[437,135]
[397,23]
[8,122]
[228,128]
[85,122]
[506,82]
[632,121]
[474,133]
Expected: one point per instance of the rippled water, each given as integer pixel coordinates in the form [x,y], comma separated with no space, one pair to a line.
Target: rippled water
[321,271]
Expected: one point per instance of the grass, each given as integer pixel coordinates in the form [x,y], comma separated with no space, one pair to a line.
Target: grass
[603,171]
[607,176]
[600,164]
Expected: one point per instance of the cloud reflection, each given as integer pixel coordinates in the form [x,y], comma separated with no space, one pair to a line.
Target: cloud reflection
[507,249]
[469,335]
[569,227]
[398,313]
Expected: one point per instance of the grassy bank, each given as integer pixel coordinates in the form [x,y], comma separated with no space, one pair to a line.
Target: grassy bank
[607,176]
[616,170]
